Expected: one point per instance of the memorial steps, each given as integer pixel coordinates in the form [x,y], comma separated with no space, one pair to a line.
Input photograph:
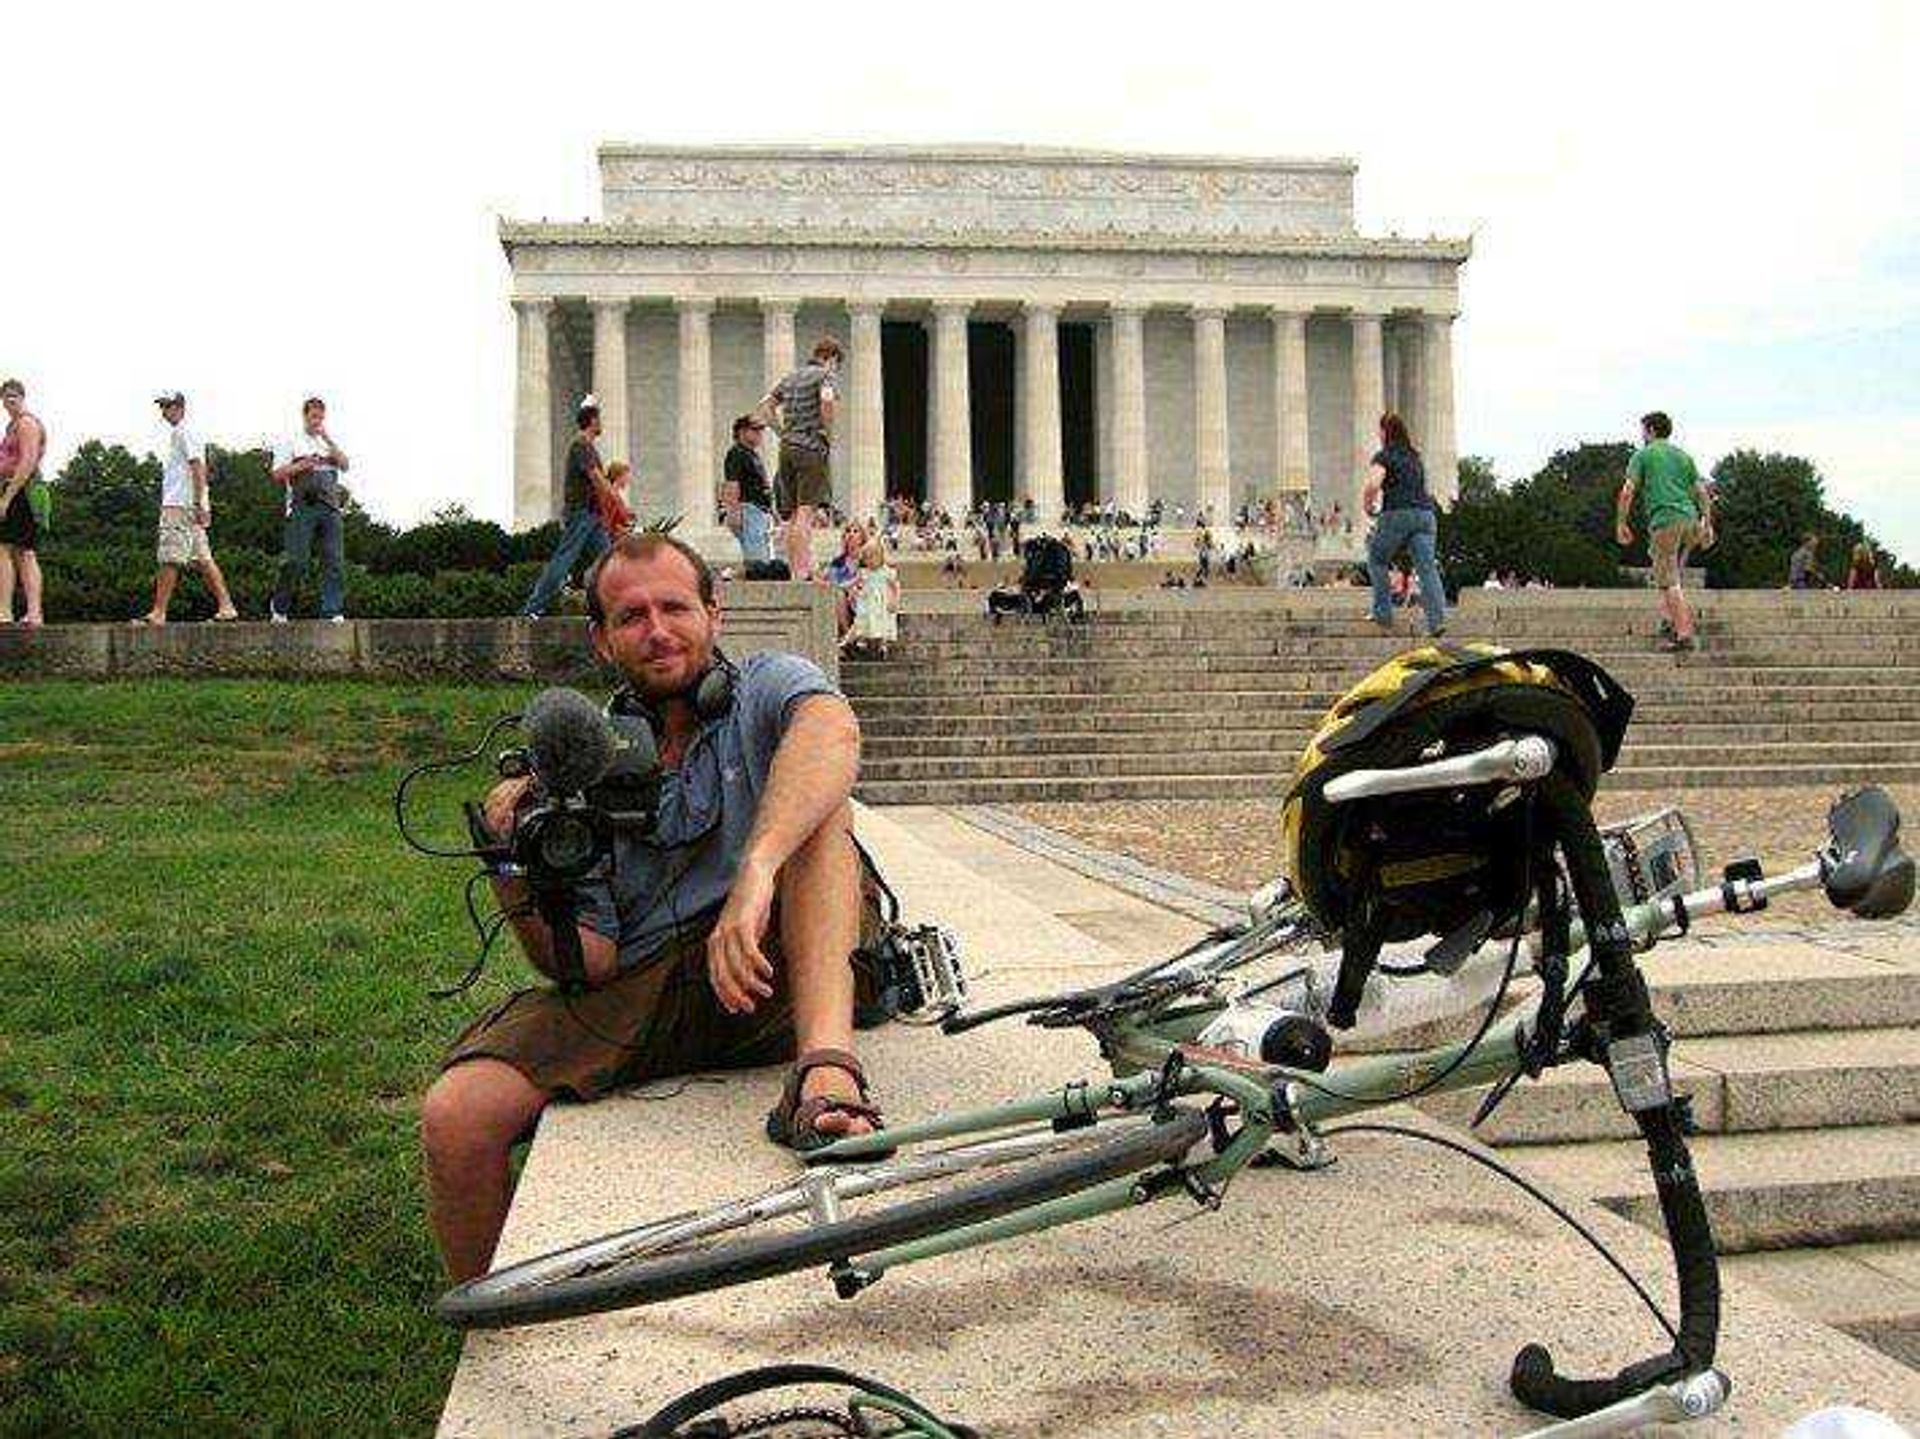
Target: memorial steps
[1213,695]
[1801,1060]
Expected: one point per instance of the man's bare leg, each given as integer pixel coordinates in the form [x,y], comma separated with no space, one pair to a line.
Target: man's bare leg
[799,542]
[163,584]
[469,1121]
[1679,612]
[6,584]
[217,582]
[819,927]
[29,565]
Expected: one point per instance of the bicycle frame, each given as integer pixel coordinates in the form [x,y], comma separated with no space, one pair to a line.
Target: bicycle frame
[1267,1099]
[1264,1097]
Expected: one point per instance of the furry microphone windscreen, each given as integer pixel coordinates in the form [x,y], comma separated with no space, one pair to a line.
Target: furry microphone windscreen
[568,740]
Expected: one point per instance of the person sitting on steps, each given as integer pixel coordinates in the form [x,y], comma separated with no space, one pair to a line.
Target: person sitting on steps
[725,937]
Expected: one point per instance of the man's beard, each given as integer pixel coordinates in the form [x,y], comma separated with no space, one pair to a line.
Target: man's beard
[656,688]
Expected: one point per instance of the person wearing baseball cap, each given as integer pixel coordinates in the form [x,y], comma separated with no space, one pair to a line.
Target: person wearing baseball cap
[186,509]
[746,496]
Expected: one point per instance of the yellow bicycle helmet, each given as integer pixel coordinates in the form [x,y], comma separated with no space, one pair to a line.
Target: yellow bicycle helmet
[1401,866]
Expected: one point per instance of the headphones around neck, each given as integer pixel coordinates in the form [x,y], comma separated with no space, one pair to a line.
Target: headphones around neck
[711,696]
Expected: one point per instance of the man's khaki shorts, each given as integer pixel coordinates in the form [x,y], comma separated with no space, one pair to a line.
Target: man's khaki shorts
[662,1019]
[182,542]
[1669,545]
[803,478]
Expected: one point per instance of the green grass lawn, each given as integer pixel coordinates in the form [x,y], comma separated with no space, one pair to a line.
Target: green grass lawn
[214,1030]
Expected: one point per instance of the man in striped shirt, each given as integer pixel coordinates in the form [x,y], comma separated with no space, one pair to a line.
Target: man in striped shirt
[801,408]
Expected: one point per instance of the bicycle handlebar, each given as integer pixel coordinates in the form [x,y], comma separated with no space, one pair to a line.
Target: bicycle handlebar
[1534,1380]
[1619,1005]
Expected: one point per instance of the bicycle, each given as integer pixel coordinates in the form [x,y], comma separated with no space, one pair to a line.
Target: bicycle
[1216,1070]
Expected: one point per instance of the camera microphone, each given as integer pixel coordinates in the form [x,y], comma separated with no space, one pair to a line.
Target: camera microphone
[569,741]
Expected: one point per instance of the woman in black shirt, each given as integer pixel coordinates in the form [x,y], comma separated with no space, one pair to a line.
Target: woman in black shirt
[1396,489]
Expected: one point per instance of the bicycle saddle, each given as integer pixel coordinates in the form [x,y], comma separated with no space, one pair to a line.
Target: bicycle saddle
[1863,867]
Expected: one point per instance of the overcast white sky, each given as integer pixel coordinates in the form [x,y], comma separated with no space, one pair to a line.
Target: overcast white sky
[1714,209]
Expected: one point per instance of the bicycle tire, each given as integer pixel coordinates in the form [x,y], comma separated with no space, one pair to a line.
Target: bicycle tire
[489,1303]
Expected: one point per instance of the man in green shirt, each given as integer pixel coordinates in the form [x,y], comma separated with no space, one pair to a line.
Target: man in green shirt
[1679,517]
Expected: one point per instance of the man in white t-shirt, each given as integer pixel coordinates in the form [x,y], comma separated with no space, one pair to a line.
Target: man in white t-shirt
[186,509]
[310,465]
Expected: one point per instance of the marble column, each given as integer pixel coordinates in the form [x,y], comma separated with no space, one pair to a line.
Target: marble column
[776,362]
[1436,384]
[1413,387]
[1392,396]
[952,409]
[533,414]
[1130,410]
[610,379]
[1040,414]
[1369,402]
[866,454]
[1293,456]
[697,485]
[1213,489]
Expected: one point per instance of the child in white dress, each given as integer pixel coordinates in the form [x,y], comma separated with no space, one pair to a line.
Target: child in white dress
[876,602]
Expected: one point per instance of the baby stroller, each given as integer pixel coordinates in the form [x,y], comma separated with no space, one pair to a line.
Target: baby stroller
[1046,584]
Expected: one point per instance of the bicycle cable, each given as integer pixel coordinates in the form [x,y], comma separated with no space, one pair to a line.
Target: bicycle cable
[1534,1191]
[441,766]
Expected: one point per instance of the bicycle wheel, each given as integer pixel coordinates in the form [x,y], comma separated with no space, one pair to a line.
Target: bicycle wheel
[803,1223]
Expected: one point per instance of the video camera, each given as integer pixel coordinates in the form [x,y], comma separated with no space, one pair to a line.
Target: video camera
[593,773]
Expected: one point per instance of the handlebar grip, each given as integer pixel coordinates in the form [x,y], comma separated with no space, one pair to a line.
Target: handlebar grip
[1534,1380]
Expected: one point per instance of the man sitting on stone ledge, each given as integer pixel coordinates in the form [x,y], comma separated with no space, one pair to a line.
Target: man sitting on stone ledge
[723,939]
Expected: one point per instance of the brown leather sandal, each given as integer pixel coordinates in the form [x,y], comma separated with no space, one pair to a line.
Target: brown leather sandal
[794,1122]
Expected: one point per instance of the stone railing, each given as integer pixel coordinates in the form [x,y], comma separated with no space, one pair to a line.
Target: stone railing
[797,618]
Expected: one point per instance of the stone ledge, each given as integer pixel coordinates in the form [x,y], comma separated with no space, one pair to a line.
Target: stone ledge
[1386,1295]
[797,618]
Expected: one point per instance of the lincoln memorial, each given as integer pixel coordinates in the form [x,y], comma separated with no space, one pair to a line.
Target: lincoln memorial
[1065,325]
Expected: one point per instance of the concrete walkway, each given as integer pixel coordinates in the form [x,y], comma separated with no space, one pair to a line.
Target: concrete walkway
[1386,1295]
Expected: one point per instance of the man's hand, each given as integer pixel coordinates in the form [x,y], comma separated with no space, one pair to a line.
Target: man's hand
[202,516]
[1623,532]
[503,802]
[741,974]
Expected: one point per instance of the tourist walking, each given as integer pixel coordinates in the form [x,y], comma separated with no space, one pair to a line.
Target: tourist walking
[802,408]
[746,497]
[1396,485]
[186,510]
[22,448]
[1803,565]
[584,493]
[310,465]
[1679,518]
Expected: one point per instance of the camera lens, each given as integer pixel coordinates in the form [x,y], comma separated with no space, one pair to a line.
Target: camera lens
[568,845]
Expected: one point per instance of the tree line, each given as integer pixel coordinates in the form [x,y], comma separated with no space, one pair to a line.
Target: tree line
[1557,523]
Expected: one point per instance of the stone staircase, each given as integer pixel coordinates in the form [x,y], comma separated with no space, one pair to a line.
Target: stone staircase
[1801,1052]
[1206,696]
